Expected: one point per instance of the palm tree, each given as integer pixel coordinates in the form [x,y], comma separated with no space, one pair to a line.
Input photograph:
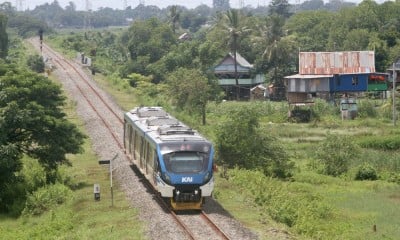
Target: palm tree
[174,16]
[279,49]
[235,31]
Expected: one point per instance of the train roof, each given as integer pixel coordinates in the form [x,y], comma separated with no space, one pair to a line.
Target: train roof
[161,127]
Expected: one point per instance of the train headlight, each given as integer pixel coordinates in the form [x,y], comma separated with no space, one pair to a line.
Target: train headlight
[207,177]
[166,178]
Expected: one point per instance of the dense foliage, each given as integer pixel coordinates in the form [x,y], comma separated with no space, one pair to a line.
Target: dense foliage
[240,142]
[36,63]
[32,123]
[3,36]
[336,154]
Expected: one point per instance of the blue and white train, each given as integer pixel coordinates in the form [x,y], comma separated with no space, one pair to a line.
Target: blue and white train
[176,159]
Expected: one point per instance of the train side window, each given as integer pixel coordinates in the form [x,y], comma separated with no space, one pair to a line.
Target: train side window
[136,144]
[132,140]
[156,164]
[130,132]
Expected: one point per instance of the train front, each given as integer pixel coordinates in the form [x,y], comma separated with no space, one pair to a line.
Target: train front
[186,173]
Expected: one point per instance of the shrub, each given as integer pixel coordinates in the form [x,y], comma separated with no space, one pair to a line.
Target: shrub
[68,177]
[34,175]
[366,172]
[36,63]
[45,198]
[366,108]
[336,153]
[240,142]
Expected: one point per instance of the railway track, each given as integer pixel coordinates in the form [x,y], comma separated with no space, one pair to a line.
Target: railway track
[196,225]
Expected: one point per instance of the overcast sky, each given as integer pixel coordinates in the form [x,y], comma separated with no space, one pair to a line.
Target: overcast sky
[118,4]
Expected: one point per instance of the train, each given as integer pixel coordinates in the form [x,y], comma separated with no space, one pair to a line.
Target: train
[174,158]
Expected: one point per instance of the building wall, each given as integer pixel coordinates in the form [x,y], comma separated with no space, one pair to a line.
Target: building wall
[349,83]
[308,85]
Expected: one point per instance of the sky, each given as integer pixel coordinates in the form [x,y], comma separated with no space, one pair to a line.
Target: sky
[118,4]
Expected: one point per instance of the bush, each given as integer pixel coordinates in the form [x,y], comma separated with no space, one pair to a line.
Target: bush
[240,142]
[34,175]
[336,153]
[367,109]
[68,177]
[45,198]
[36,63]
[366,172]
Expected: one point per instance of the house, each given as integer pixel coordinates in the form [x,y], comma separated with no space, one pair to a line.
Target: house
[325,74]
[246,78]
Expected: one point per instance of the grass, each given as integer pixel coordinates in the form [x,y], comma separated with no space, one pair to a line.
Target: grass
[242,208]
[368,204]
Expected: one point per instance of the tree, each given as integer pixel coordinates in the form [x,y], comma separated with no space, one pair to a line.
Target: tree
[279,55]
[190,90]
[3,36]
[240,142]
[235,30]
[174,16]
[32,123]
[280,7]
[148,42]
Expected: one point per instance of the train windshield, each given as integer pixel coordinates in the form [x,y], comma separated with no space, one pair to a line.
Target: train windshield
[187,158]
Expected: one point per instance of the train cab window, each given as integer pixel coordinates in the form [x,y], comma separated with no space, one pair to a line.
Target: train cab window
[185,162]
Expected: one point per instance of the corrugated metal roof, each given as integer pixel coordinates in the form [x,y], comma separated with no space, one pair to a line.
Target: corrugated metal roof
[336,62]
[307,76]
